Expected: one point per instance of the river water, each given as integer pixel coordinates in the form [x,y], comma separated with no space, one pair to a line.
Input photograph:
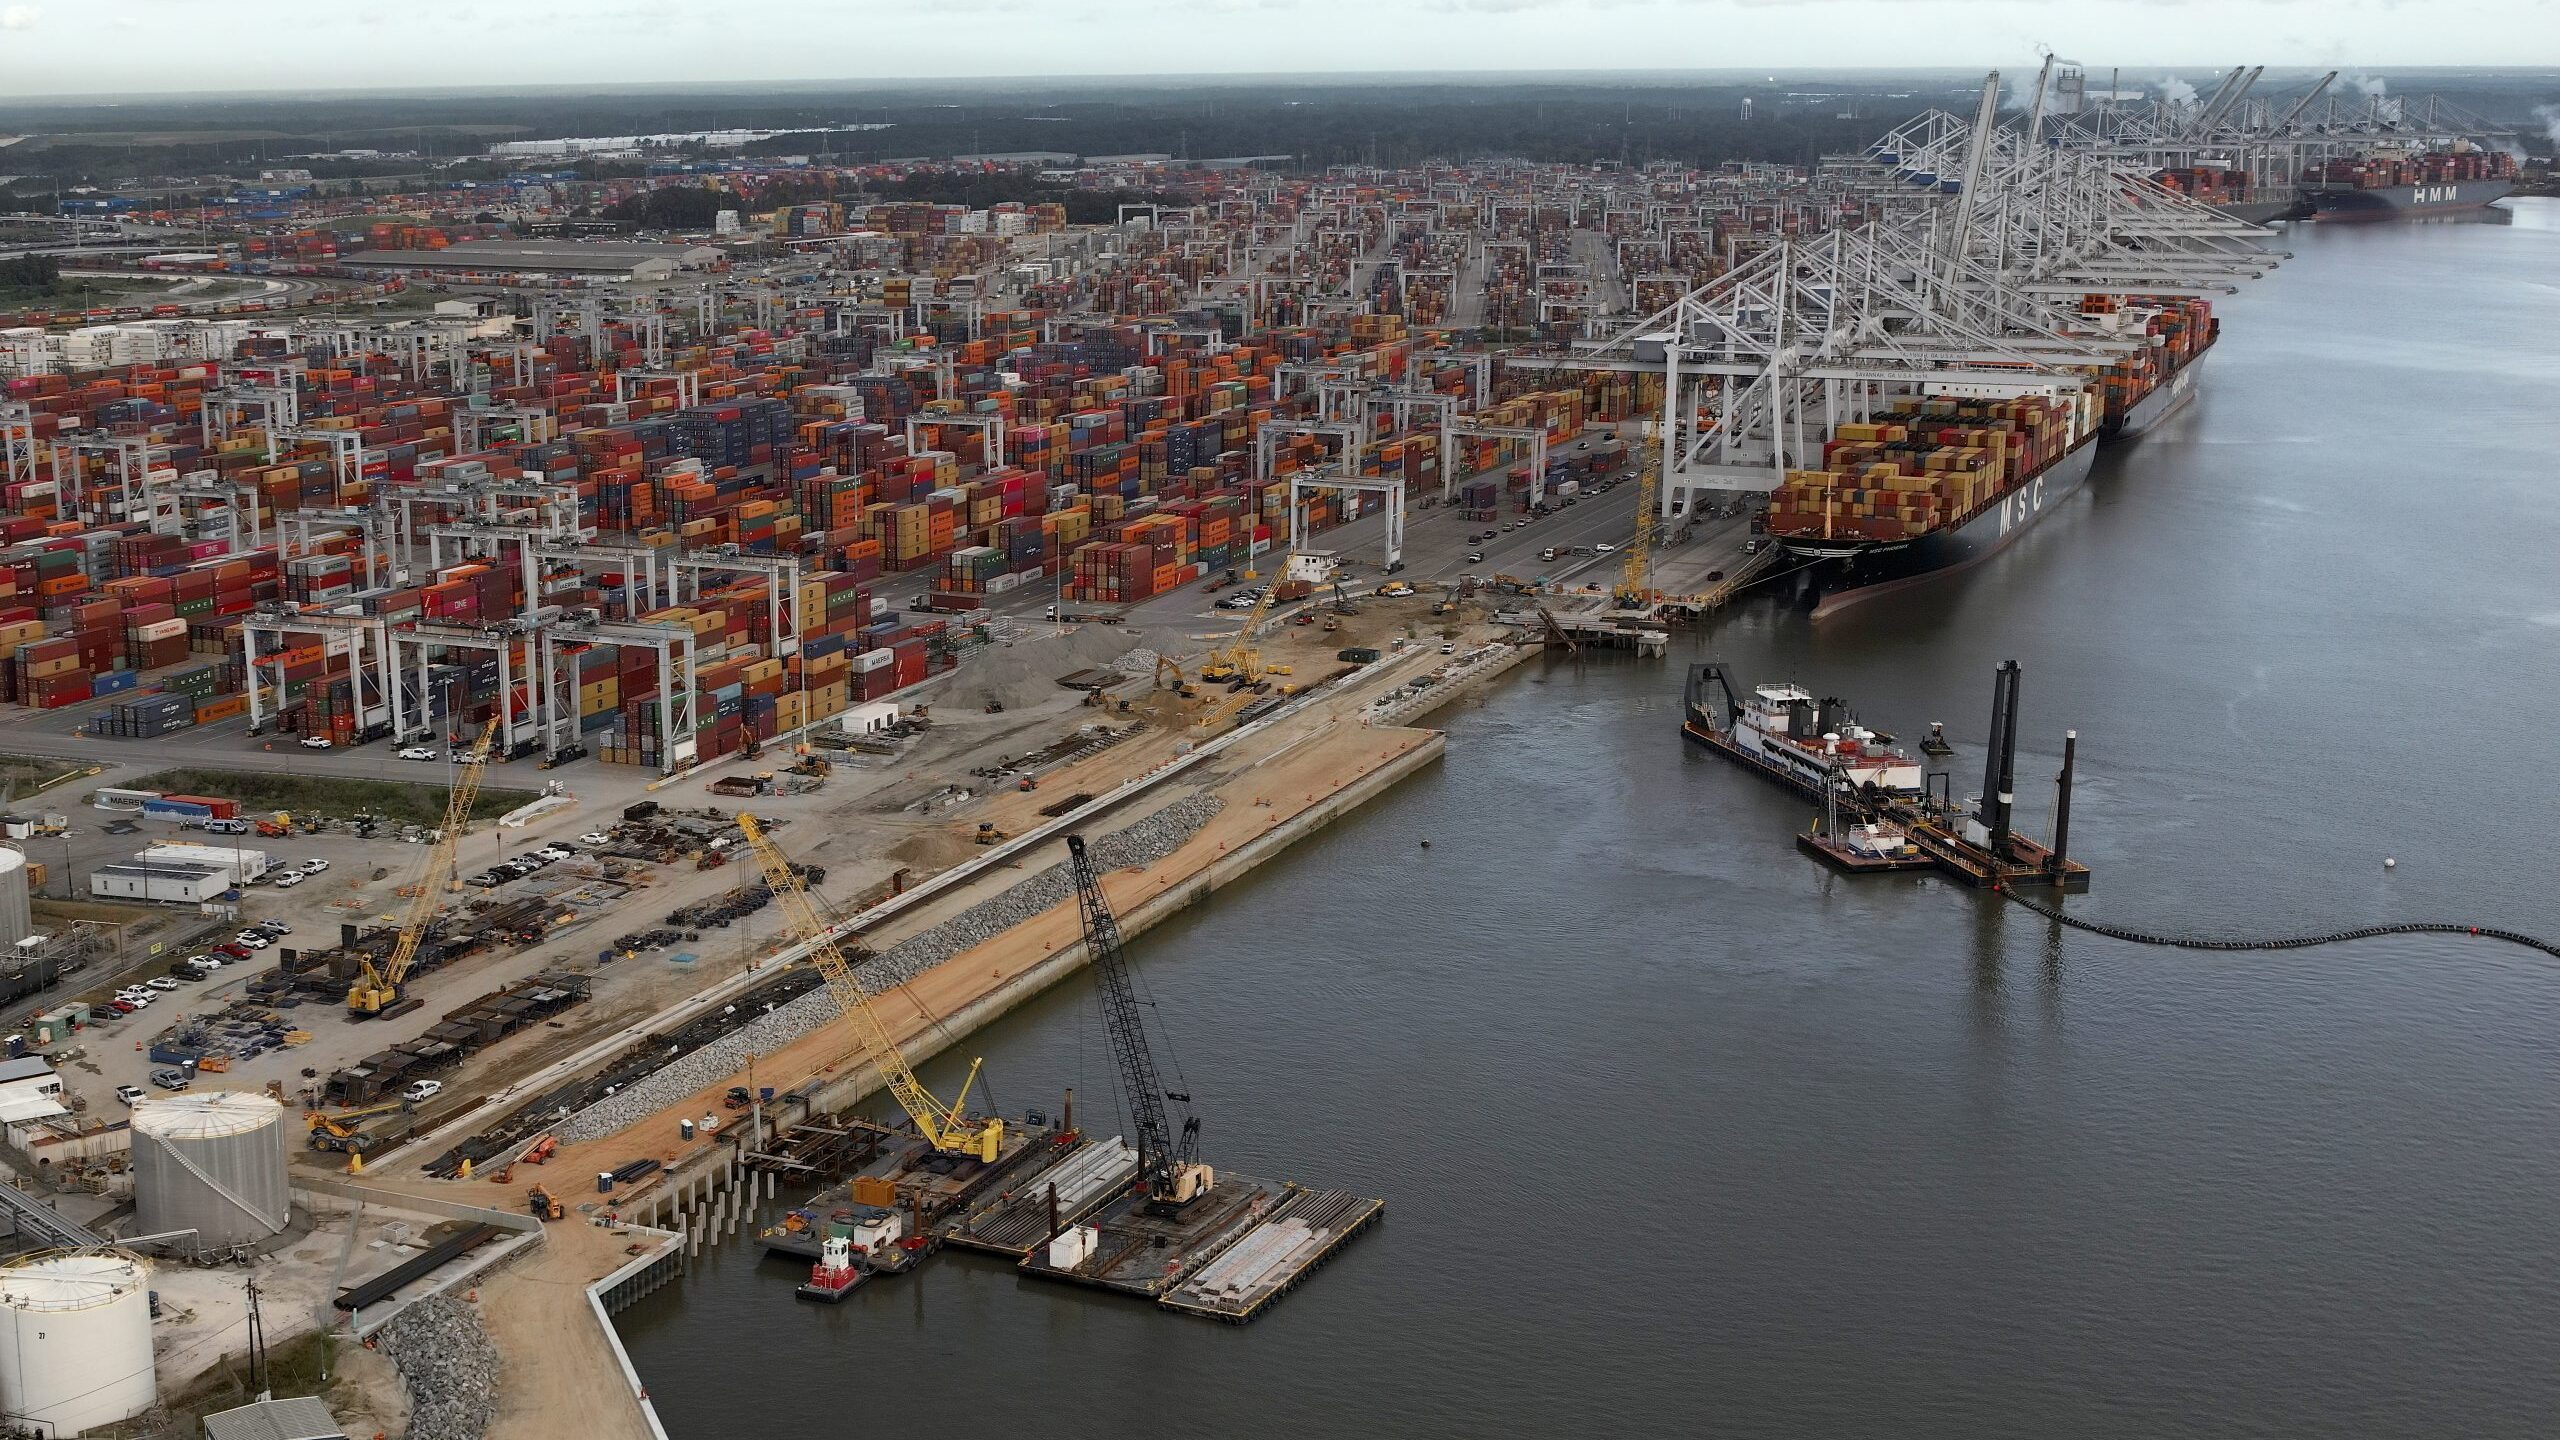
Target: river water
[1681,1134]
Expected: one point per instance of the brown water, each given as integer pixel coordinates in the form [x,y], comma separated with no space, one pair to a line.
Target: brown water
[1682,1135]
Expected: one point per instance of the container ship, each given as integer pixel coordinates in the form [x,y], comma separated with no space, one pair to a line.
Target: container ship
[1945,479]
[2386,187]
[2234,193]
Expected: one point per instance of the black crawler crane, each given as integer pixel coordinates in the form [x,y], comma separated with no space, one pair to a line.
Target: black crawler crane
[1170,1172]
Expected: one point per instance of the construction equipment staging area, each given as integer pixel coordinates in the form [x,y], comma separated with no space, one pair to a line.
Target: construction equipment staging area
[689,1168]
[1141,1221]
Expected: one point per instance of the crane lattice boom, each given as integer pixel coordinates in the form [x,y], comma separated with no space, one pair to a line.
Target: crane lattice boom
[947,1128]
[378,989]
[1165,1164]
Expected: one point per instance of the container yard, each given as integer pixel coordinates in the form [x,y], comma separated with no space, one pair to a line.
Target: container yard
[878,628]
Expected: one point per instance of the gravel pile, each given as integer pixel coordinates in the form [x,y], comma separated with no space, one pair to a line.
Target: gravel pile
[1141,843]
[449,1366]
[1025,672]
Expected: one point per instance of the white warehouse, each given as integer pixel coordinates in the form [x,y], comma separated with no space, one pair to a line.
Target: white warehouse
[245,867]
[168,882]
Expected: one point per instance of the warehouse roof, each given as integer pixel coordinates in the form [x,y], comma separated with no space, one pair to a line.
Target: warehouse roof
[601,256]
[145,869]
[303,1417]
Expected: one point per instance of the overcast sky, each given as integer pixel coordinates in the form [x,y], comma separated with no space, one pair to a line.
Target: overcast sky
[52,47]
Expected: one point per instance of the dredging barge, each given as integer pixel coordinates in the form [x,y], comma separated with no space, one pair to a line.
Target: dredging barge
[1883,811]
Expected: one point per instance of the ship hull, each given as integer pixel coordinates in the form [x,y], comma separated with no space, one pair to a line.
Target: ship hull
[2391,202]
[2160,404]
[1857,573]
[2264,212]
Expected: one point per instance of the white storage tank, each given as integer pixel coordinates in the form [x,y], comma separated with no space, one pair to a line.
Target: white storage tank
[17,919]
[75,1343]
[214,1163]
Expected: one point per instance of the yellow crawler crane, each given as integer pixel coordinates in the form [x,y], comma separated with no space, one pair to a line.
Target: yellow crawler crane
[378,990]
[949,1129]
[1239,659]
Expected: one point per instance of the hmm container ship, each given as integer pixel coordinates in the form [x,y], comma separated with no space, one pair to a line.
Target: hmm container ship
[2387,187]
[1947,478]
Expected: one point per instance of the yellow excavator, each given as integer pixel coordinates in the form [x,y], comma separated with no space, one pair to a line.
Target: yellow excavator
[377,990]
[949,1129]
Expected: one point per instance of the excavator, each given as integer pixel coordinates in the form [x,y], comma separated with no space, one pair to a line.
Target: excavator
[359,1129]
[949,1129]
[377,990]
[1170,1172]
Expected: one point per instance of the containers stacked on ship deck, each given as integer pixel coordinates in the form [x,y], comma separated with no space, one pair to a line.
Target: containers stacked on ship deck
[1938,463]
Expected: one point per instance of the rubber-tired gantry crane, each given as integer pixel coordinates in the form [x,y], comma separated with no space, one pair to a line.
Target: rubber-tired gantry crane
[377,990]
[1170,1172]
[949,1129]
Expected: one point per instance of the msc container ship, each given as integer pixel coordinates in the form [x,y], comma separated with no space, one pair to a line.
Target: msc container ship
[2387,187]
[1946,480]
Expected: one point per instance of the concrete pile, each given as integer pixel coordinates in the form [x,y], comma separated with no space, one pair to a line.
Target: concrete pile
[1142,842]
[449,1366]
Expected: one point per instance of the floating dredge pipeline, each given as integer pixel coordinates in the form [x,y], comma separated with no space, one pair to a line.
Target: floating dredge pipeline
[2295,942]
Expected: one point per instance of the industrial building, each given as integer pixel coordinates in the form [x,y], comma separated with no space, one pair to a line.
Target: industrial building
[168,882]
[624,259]
[245,867]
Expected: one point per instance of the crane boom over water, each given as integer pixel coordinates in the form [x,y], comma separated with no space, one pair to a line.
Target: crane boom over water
[1169,1169]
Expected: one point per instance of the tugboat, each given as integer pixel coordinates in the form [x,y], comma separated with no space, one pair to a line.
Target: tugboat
[1812,746]
[835,1274]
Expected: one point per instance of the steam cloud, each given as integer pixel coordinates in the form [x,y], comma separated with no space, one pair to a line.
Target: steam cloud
[2177,91]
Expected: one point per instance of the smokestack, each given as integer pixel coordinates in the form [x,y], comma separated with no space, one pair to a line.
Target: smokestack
[2008,765]
[1988,807]
[2062,804]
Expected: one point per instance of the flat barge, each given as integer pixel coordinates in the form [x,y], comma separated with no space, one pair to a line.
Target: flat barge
[1021,1217]
[1267,1261]
[1129,1248]
[899,1171]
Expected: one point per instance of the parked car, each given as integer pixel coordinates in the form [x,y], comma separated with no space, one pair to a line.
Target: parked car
[314,867]
[273,927]
[289,879]
[557,851]
[417,752]
[236,952]
[130,1093]
[423,1090]
[315,742]
[169,1077]
[252,939]
[595,837]
[161,982]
